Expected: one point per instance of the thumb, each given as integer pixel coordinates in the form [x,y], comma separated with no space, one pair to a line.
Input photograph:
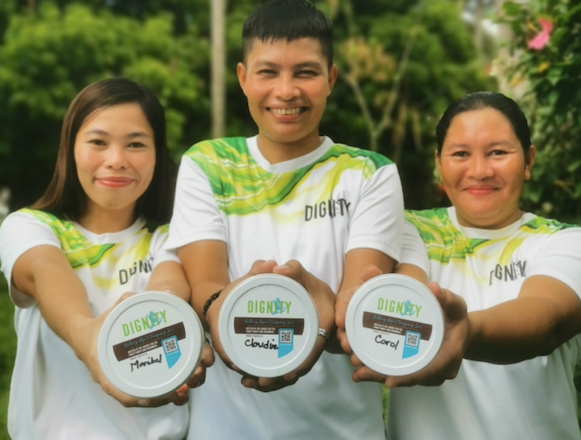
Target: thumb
[452,305]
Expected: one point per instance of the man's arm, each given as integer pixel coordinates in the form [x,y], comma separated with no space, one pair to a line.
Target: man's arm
[206,266]
[360,265]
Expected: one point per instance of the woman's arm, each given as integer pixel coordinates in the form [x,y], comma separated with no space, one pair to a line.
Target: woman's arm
[45,274]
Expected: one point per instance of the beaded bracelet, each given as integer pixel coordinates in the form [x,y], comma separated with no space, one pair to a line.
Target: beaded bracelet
[210,301]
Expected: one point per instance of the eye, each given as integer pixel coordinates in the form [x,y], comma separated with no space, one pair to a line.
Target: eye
[98,142]
[497,152]
[460,153]
[136,145]
[266,72]
[307,73]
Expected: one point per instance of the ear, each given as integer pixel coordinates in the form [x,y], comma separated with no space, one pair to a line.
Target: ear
[438,163]
[529,161]
[241,74]
[333,74]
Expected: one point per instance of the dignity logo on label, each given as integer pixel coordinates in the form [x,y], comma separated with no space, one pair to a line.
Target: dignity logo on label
[149,321]
[274,307]
[402,308]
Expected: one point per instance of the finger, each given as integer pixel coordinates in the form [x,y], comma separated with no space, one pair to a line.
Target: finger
[355,361]
[370,272]
[261,266]
[365,374]
[453,305]
[293,269]
[343,341]
[207,355]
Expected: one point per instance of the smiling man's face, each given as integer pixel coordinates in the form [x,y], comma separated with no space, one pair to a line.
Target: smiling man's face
[287,84]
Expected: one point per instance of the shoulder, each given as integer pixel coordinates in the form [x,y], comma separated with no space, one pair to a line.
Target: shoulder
[29,219]
[543,226]
[214,149]
[429,221]
[368,161]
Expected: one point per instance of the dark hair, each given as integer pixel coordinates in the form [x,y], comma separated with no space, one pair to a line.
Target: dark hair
[64,196]
[483,100]
[290,20]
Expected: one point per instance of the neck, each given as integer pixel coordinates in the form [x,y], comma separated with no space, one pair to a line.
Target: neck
[276,152]
[102,221]
[492,223]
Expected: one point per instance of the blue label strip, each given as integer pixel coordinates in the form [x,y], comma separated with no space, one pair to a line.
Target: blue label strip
[286,338]
[171,349]
[411,345]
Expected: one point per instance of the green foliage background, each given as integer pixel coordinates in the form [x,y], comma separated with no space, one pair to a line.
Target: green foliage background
[552,101]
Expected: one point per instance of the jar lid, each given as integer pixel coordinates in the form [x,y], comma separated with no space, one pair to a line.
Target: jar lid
[150,344]
[394,324]
[268,325]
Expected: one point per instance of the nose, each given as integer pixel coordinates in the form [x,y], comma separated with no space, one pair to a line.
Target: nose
[286,87]
[480,167]
[116,157]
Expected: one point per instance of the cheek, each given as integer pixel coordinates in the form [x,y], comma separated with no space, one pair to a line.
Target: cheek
[450,174]
[83,163]
[146,167]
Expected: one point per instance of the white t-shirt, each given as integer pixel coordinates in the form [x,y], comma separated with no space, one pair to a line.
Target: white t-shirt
[313,209]
[52,395]
[534,399]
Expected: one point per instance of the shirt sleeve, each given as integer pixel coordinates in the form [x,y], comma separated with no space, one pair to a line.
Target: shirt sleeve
[196,216]
[560,258]
[19,233]
[158,249]
[413,249]
[377,220]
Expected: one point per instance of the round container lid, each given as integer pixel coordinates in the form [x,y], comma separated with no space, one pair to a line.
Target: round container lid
[268,325]
[150,344]
[394,324]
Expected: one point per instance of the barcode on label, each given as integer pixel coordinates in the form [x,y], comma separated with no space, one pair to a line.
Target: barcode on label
[286,336]
[412,339]
[170,345]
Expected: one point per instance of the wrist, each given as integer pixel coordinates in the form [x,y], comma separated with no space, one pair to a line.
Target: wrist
[80,335]
[209,303]
[473,335]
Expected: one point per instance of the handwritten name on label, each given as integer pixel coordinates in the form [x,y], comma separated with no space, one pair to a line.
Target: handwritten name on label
[390,344]
[268,345]
[140,364]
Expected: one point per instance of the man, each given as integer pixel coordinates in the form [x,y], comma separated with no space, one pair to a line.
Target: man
[291,202]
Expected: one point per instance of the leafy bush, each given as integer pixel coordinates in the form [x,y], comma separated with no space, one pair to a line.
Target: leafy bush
[547,46]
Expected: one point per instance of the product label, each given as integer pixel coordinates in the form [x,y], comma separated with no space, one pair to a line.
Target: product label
[390,331]
[151,341]
[269,333]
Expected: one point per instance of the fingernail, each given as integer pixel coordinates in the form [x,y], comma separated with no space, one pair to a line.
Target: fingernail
[142,402]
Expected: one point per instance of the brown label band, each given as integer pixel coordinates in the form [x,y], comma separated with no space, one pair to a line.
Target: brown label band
[148,342]
[397,326]
[267,326]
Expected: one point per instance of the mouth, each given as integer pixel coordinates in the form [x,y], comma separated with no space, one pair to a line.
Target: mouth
[287,111]
[115,182]
[481,190]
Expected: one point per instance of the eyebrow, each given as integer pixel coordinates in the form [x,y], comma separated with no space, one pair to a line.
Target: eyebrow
[489,145]
[308,64]
[130,135]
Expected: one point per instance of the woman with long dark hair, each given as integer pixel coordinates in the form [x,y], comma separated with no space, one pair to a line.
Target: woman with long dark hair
[96,233]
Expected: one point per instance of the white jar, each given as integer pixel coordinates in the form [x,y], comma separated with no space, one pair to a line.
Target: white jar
[394,324]
[150,344]
[268,325]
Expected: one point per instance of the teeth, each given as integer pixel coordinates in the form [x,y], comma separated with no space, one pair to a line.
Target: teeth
[286,111]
